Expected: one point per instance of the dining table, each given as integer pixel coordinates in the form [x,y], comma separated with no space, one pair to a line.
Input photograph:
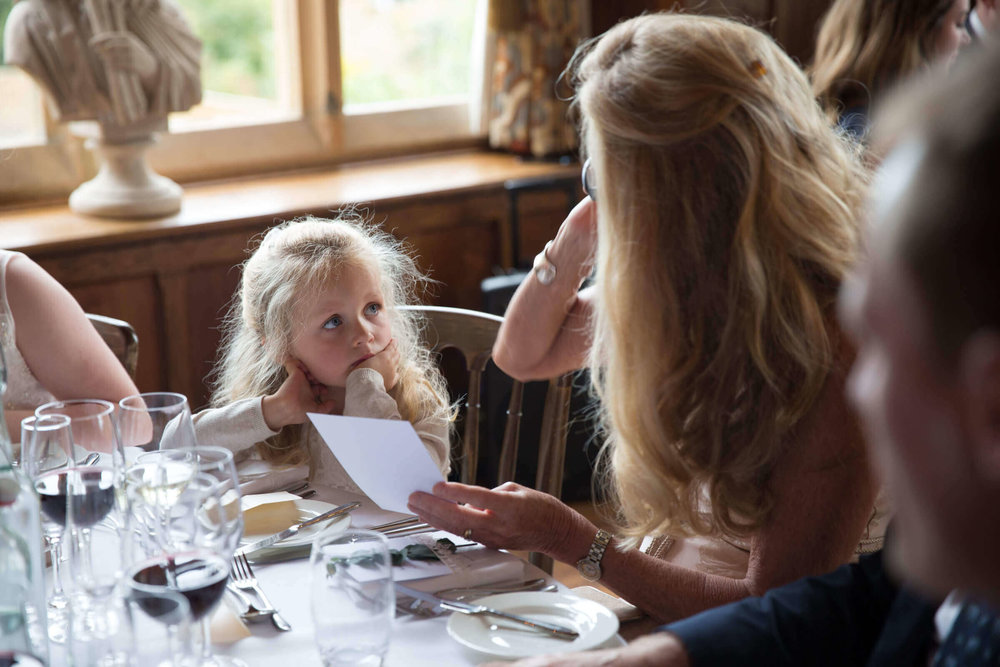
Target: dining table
[416,640]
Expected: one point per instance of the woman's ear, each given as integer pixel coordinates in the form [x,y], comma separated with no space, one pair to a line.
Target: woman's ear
[980,371]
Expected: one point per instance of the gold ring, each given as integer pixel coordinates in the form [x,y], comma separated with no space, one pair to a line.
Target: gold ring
[467,535]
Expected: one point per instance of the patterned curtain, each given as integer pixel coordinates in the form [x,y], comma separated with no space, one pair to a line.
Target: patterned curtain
[533,41]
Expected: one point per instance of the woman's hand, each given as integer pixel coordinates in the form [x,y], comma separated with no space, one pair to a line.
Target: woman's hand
[298,394]
[386,363]
[508,517]
[575,244]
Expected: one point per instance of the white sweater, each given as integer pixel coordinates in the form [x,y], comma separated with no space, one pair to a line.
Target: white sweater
[240,425]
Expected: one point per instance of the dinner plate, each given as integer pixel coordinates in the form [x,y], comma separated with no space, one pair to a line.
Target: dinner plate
[307,509]
[501,638]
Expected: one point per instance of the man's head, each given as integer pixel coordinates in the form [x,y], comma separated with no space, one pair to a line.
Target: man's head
[925,311]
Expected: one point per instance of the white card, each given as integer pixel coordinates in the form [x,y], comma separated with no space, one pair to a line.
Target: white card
[384,457]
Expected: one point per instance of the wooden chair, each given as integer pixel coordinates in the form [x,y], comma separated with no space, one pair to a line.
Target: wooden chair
[473,333]
[120,337]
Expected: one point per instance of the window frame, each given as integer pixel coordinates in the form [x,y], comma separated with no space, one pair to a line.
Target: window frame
[316,133]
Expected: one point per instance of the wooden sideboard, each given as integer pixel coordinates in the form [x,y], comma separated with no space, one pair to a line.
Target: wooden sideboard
[173,278]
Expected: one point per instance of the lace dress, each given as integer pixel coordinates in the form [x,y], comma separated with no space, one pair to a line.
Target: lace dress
[24,392]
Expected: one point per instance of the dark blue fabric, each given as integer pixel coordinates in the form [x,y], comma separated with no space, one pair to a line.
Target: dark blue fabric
[974,640]
[854,615]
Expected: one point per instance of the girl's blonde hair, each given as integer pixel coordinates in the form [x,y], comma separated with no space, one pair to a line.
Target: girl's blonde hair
[726,220]
[293,261]
[864,46]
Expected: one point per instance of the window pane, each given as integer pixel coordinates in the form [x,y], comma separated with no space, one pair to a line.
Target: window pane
[238,70]
[405,50]
[22,120]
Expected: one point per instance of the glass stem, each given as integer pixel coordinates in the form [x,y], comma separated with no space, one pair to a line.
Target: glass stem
[55,553]
[206,641]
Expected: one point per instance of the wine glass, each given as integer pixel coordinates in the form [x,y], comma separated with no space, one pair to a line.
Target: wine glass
[194,547]
[95,432]
[47,445]
[156,420]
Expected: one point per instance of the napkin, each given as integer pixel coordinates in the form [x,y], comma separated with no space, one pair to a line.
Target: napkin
[261,477]
[226,626]
[625,611]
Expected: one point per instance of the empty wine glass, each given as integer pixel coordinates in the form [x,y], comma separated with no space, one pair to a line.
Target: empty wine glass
[47,445]
[92,422]
[156,420]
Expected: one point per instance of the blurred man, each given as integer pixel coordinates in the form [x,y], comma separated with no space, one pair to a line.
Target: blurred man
[925,313]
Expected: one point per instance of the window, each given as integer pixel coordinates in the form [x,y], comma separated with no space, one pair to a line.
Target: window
[287,83]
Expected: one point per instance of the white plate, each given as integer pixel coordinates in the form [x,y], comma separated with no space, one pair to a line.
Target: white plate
[501,638]
[307,510]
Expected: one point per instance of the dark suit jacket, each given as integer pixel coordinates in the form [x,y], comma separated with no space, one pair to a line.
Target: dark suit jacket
[854,615]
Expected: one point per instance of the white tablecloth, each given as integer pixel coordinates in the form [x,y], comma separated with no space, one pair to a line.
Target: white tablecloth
[415,641]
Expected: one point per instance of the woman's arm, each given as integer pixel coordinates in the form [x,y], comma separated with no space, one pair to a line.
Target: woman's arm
[823,499]
[546,330]
[59,344]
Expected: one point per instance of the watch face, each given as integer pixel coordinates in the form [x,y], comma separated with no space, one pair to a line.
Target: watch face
[589,570]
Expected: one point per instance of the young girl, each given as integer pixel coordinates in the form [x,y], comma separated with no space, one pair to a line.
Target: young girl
[314,328]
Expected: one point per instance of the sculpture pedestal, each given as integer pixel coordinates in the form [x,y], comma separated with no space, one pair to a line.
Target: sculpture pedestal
[125,186]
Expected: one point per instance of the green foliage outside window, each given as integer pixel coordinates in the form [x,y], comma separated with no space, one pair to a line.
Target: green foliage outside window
[5,6]
[238,39]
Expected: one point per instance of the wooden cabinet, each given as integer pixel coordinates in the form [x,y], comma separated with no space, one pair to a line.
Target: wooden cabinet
[173,279]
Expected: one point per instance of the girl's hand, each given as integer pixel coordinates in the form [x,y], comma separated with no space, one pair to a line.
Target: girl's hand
[296,396]
[508,517]
[386,363]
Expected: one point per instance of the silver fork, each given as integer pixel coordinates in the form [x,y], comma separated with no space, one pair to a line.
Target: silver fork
[244,579]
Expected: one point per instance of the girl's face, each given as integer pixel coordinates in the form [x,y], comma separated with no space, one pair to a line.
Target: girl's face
[951,33]
[342,325]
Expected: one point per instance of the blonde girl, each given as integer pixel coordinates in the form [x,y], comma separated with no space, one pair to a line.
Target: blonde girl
[865,46]
[314,328]
[725,219]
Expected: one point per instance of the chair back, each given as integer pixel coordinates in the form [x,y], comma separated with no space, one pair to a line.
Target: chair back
[473,333]
[121,338]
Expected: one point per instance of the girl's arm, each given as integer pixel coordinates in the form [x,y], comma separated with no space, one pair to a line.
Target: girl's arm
[823,499]
[59,344]
[237,426]
[546,330]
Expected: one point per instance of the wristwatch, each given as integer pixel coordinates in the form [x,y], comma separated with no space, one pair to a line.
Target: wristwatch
[544,270]
[589,566]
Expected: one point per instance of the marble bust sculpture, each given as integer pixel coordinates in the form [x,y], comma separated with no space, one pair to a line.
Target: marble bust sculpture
[122,63]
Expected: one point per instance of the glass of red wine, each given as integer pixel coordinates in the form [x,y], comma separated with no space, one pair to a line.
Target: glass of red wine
[196,535]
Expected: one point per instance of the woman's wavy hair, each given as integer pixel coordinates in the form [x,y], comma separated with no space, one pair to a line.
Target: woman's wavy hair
[726,220]
[865,46]
[292,262]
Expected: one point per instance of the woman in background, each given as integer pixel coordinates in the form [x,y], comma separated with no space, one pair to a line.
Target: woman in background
[866,46]
[52,351]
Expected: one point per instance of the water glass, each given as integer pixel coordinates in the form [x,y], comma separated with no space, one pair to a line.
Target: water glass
[353,599]
[146,628]
[156,420]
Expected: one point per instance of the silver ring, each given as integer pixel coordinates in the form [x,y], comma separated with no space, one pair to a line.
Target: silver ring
[467,535]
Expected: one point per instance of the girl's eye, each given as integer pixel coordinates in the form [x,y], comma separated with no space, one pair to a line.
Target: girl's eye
[373,309]
[333,322]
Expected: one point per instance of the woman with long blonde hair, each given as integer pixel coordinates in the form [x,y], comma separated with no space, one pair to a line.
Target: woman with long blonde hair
[866,46]
[314,327]
[723,208]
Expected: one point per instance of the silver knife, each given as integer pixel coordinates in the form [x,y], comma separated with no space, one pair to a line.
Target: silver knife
[291,531]
[558,631]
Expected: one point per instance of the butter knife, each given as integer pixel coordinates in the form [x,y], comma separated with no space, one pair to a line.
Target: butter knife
[558,631]
[292,530]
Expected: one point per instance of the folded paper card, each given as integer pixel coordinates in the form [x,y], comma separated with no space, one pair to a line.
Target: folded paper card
[384,457]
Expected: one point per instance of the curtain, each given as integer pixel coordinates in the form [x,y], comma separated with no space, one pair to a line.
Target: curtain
[531,42]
